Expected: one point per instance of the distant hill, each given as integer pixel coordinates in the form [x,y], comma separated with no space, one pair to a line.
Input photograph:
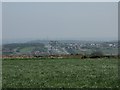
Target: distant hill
[46,47]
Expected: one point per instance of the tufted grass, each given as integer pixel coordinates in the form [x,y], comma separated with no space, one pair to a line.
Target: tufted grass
[60,73]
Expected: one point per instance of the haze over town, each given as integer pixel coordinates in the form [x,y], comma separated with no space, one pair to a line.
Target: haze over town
[59,21]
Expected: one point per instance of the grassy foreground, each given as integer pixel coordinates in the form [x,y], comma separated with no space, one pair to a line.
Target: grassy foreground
[60,73]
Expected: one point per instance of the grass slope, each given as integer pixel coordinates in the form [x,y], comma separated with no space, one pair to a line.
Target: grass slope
[59,73]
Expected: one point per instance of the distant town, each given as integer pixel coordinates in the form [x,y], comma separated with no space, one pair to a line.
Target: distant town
[40,48]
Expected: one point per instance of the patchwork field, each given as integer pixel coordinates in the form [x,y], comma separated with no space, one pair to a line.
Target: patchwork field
[60,73]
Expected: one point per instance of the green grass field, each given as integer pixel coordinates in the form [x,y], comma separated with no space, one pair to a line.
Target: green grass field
[60,73]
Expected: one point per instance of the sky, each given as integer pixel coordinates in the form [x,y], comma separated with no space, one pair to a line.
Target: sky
[0,24]
[59,20]
[60,0]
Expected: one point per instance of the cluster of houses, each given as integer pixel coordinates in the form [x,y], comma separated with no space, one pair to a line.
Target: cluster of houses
[55,48]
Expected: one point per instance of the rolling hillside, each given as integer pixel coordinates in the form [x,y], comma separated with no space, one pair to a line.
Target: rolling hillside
[59,47]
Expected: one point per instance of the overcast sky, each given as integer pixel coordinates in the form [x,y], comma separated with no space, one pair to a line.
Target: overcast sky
[0,24]
[50,20]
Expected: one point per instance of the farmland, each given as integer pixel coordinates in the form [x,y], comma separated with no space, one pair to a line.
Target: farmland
[60,73]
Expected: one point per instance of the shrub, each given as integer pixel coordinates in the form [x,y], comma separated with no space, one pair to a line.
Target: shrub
[97,54]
